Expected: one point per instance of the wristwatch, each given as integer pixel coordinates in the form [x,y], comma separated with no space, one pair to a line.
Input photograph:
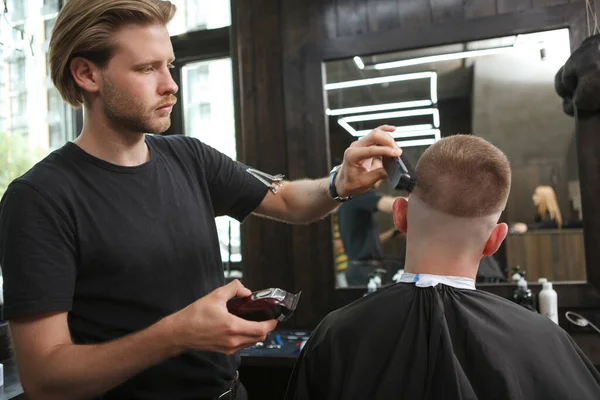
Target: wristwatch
[332,190]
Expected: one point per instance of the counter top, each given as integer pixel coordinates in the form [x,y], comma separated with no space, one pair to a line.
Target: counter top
[564,231]
[281,348]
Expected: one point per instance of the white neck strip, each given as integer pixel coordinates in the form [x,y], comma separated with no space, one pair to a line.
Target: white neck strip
[427,280]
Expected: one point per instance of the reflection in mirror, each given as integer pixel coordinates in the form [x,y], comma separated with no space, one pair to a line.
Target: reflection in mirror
[501,89]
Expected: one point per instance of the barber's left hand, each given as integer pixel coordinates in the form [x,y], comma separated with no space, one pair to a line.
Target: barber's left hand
[358,174]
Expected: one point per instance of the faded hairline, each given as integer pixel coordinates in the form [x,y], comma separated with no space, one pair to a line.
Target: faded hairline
[423,219]
[419,204]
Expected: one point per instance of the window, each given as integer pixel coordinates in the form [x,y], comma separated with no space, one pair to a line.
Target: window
[48,26]
[18,35]
[18,112]
[33,118]
[55,106]
[193,15]
[17,74]
[3,98]
[57,135]
[204,111]
[50,7]
[207,94]
[197,76]
[58,127]
[196,15]
[206,108]
[208,103]
[16,9]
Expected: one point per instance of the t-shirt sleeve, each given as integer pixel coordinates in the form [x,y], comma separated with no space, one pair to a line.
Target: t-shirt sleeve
[367,201]
[233,190]
[37,254]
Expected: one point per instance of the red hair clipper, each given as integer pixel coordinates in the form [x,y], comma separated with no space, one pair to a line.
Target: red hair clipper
[264,305]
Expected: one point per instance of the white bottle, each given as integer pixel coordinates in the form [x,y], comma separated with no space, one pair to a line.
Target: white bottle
[372,286]
[549,302]
[377,280]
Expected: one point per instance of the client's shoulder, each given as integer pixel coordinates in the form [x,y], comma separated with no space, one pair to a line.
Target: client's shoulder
[370,312]
[514,314]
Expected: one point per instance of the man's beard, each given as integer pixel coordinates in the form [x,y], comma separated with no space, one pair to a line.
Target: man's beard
[128,113]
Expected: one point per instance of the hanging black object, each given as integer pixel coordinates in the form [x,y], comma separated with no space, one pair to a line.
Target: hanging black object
[578,81]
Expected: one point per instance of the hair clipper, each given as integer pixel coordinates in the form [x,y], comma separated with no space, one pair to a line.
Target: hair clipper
[265,305]
[400,173]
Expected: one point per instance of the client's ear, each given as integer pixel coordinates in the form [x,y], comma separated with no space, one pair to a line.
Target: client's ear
[400,208]
[495,240]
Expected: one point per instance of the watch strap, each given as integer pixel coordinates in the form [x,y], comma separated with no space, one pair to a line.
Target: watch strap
[332,190]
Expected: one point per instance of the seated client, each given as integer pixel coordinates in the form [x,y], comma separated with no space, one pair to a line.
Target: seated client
[433,335]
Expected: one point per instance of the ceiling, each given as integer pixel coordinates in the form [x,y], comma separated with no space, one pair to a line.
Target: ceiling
[454,76]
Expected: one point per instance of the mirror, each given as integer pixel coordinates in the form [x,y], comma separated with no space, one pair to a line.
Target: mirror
[501,89]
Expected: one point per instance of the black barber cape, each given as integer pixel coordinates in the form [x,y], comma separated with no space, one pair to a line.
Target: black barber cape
[408,342]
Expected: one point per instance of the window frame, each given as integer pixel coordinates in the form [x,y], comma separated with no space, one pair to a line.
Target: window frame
[203,45]
[195,46]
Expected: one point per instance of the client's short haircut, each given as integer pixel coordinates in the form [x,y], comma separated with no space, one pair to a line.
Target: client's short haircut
[465,176]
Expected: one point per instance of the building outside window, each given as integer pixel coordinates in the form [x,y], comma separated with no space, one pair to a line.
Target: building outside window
[206,91]
[208,113]
[17,9]
[194,15]
[33,118]
[17,74]
[48,26]
[50,7]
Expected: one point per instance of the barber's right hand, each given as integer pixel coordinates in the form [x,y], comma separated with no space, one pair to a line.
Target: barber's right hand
[207,325]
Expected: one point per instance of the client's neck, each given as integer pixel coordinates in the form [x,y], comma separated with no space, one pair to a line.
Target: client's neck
[439,259]
[439,243]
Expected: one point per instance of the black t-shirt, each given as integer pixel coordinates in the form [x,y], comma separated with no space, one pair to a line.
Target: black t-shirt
[358,227]
[121,247]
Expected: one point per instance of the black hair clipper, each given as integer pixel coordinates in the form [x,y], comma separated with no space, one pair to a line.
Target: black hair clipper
[265,305]
[400,173]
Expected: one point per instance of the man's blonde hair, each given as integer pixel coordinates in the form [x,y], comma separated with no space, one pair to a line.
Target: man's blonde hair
[85,28]
[464,176]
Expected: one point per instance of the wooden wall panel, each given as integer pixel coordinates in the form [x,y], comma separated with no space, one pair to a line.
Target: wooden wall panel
[480,8]
[352,17]
[329,13]
[257,71]
[444,10]
[507,6]
[589,165]
[557,255]
[414,13]
[383,15]
[549,3]
[452,31]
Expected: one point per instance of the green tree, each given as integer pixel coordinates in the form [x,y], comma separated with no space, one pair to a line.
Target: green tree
[16,158]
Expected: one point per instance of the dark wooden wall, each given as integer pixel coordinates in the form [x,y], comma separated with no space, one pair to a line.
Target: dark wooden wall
[279,47]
